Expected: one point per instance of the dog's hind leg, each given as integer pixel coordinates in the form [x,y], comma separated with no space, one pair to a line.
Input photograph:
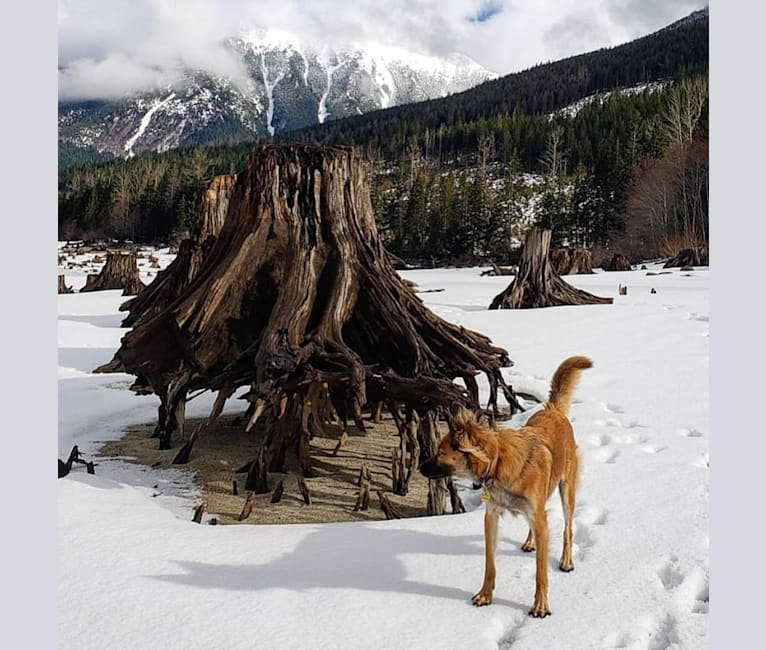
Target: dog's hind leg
[484,597]
[567,487]
[567,493]
[529,544]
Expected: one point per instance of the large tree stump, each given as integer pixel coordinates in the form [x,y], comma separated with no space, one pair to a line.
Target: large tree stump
[119,272]
[170,282]
[537,284]
[572,261]
[62,286]
[298,291]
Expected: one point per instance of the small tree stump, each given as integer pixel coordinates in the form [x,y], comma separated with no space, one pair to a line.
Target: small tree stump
[62,285]
[622,290]
[537,284]
[689,257]
[387,507]
[572,261]
[277,495]
[119,272]
[198,511]
[234,489]
[248,507]
[618,263]
[341,441]
[363,498]
[304,490]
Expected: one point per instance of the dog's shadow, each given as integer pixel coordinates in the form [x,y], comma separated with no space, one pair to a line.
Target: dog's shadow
[366,557]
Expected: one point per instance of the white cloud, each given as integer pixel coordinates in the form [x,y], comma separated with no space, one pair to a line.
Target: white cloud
[112,47]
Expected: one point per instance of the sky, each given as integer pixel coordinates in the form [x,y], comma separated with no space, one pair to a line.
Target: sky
[112,47]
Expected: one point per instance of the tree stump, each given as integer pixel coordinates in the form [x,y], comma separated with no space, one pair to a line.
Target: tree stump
[689,257]
[572,261]
[171,282]
[618,263]
[119,272]
[62,286]
[537,283]
[297,291]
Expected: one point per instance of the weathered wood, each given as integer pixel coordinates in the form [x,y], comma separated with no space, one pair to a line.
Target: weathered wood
[298,290]
[689,257]
[247,508]
[119,272]
[276,496]
[572,261]
[304,490]
[387,507]
[62,285]
[537,284]
[234,488]
[455,501]
[341,441]
[65,467]
[363,498]
[618,262]
[622,289]
[198,512]
[499,270]
[171,282]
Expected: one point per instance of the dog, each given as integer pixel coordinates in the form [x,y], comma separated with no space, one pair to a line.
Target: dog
[519,469]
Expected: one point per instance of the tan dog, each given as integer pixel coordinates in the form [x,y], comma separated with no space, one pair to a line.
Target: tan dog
[519,469]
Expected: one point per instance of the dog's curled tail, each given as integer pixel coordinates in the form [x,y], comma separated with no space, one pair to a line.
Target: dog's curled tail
[565,381]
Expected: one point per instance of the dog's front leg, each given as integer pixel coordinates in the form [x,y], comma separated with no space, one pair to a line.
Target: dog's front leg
[484,597]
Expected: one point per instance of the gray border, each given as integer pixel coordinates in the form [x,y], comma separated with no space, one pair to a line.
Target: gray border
[737,232]
[28,118]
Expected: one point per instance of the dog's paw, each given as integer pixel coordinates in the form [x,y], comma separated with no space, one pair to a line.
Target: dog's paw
[528,547]
[482,598]
[540,612]
[566,566]
[540,609]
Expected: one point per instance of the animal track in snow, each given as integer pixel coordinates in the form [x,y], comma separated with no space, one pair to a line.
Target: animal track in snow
[599,440]
[630,439]
[698,317]
[703,461]
[617,423]
[590,516]
[612,408]
[653,449]
[670,575]
[607,455]
[691,433]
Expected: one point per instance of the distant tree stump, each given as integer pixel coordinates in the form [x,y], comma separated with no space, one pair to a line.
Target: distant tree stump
[62,286]
[618,263]
[119,272]
[494,269]
[537,284]
[572,261]
[689,257]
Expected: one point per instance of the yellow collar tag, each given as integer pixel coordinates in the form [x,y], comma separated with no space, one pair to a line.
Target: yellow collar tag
[485,495]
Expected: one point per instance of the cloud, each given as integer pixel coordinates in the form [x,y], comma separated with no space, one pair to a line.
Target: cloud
[108,48]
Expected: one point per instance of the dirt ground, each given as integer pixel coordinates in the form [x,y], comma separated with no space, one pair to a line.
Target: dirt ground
[226,447]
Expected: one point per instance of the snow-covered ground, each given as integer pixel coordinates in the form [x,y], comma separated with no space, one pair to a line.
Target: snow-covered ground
[134,572]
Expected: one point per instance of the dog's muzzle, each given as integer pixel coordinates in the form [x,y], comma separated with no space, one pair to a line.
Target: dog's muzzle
[431,469]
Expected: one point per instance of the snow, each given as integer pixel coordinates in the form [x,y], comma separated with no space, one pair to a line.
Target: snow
[322,112]
[145,123]
[133,565]
[269,92]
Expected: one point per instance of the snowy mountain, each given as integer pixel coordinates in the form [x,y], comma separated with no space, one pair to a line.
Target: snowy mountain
[285,86]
